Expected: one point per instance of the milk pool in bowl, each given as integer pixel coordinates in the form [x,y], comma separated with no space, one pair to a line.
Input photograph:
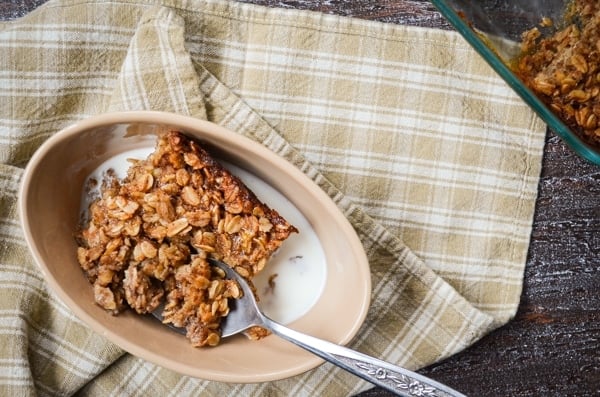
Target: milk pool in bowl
[295,275]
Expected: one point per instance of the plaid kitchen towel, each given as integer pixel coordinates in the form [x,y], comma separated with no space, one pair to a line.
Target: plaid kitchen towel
[432,158]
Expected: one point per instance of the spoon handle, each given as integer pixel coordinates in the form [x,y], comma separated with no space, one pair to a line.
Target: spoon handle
[395,379]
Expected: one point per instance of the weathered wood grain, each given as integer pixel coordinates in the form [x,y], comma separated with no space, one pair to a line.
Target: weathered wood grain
[409,12]
[552,347]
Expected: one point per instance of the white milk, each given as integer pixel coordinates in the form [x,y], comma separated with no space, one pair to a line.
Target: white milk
[298,267]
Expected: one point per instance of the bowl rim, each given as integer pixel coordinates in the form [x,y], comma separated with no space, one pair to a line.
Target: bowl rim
[211,129]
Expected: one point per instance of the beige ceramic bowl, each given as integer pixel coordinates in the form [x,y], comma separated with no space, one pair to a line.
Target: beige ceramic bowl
[50,200]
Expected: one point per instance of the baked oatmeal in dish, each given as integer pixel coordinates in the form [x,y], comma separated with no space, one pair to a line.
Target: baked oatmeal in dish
[149,235]
[563,69]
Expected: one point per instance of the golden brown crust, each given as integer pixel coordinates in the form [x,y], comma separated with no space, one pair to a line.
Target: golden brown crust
[564,69]
[150,234]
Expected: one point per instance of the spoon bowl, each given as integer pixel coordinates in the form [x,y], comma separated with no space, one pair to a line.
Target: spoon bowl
[245,313]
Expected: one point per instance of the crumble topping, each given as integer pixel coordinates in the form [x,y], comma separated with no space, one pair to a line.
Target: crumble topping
[149,237]
[563,69]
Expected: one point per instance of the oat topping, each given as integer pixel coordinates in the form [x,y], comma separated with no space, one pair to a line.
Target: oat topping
[564,68]
[149,236]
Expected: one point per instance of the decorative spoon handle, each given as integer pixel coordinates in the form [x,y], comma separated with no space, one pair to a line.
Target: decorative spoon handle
[395,379]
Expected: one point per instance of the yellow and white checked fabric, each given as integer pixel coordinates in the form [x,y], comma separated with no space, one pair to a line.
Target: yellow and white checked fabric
[432,158]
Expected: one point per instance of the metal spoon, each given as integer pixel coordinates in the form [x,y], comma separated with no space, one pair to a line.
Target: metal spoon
[246,313]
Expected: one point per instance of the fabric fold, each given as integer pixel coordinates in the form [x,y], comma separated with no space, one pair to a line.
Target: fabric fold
[45,349]
[431,157]
[157,73]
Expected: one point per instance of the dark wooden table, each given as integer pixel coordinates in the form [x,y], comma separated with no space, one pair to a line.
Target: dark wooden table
[552,347]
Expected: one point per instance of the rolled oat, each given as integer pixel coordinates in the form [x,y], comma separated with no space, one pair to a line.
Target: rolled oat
[149,236]
[564,68]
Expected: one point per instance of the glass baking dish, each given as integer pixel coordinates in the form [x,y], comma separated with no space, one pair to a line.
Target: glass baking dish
[494,28]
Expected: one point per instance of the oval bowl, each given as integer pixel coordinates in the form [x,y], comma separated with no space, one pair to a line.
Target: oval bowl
[49,208]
